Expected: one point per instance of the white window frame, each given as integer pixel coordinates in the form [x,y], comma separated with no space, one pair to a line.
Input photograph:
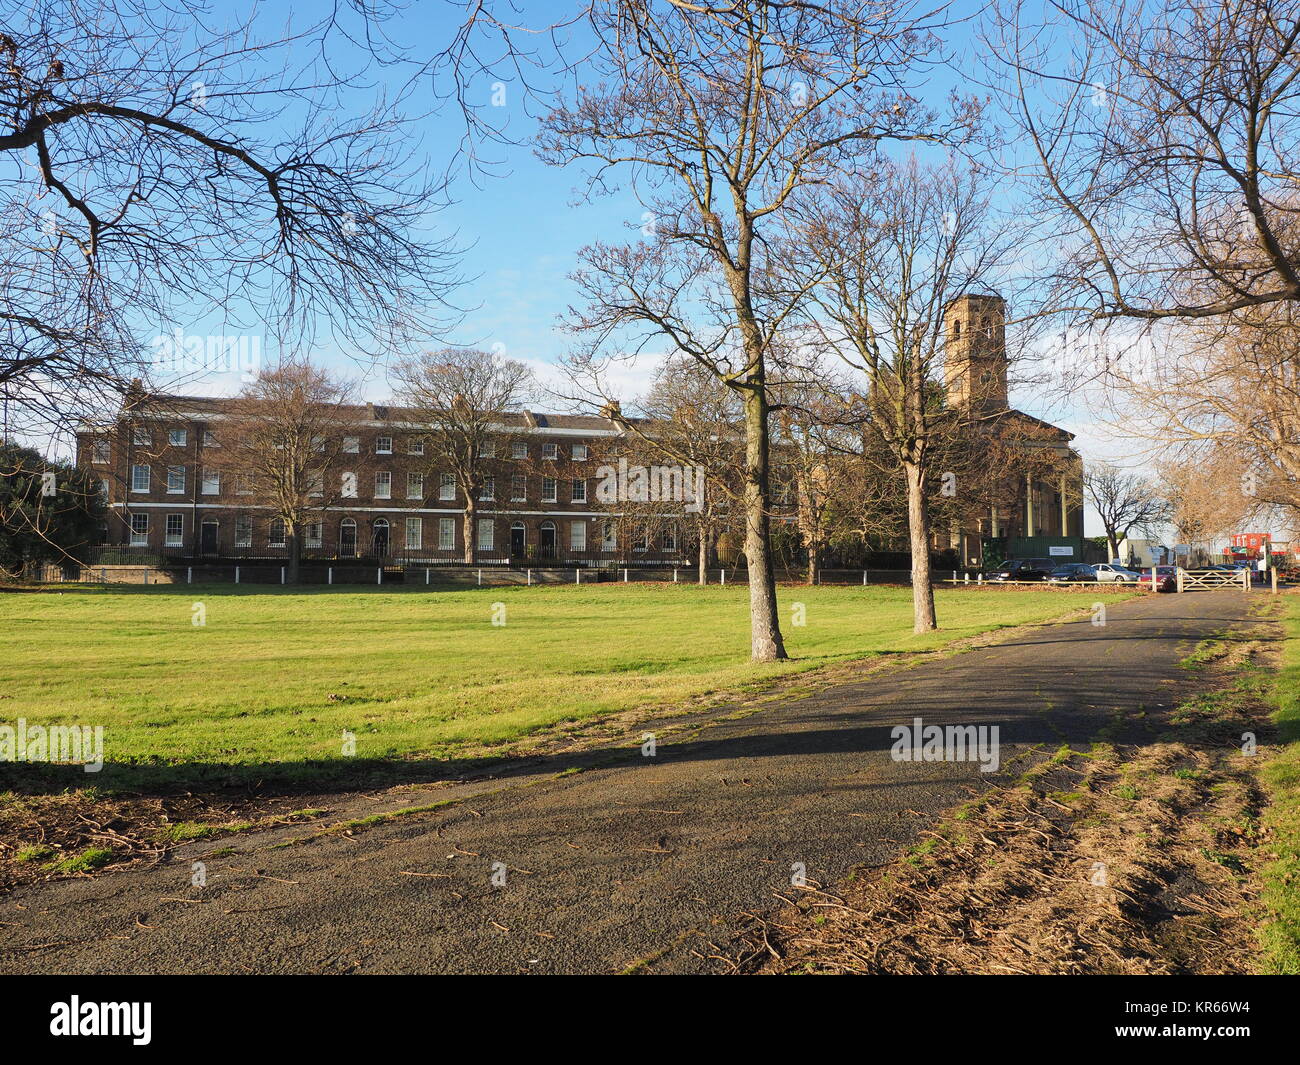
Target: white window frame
[518,488]
[352,445]
[446,534]
[414,485]
[519,449]
[180,491]
[313,534]
[243,530]
[670,537]
[383,484]
[488,490]
[211,483]
[139,536]
[383,445]
[487,449]
[488,526]
[609,536]
[414,534]
[579,453]
[577,536]
[135,480]
[579,490]
[210,438]
[177,437]
[447,487]
[271,526]
[549,489]
[348,485]
[101,452]
[550,452]
[415,446]
[141,437]
[174,539]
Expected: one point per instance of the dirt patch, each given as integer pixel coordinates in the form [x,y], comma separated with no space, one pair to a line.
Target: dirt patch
[43,837]
[1132,858]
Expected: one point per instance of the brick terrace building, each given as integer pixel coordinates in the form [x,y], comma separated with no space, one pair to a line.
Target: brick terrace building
[539,505]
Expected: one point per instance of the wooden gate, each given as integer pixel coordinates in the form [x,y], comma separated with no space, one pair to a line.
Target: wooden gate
[1192,580]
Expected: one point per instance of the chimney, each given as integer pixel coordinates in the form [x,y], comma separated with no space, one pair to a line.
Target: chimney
[613,411]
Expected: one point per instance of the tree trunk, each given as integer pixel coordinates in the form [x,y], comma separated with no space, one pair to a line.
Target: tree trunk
[1113,544]
[295,553]
[813,554]
[704,557]
[764,624]
[918,528]
[471,542]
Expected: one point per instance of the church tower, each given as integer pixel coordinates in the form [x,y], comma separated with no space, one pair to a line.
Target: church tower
[975,352]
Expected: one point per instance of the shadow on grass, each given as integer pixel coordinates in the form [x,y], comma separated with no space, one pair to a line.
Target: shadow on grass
[844,720]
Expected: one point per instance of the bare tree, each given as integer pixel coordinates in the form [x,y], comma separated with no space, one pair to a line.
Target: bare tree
[894,247]
[718,115]
[457,400]
[811,441]
[280,442]
[164,169]
[1165,138]
[1124,502]
[692,421]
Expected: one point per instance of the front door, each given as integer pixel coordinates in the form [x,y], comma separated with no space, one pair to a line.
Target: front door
[208,542]
[517,541]
[546,540]
[381,540]
[347,540]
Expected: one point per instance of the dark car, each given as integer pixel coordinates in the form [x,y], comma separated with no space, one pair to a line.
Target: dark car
[1024,569]
[1072,572]
[1166,578]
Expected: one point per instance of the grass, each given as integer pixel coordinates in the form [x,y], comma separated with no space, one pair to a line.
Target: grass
[277,676]
[87,861]
[1280,935]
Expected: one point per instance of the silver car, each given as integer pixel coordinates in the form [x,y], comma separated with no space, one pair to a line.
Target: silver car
[1107,571]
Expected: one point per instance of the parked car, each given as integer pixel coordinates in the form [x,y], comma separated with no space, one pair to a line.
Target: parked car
[1024,569]
[1166,578]
[1072,572]
[1112,571]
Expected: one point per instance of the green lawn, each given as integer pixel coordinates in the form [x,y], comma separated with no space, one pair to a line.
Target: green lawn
[276,676]
[1281,896]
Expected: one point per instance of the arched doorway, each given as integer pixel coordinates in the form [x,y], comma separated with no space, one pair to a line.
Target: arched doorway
[379,541]
[347,538]
[546,539]
[517,540]
[208,536]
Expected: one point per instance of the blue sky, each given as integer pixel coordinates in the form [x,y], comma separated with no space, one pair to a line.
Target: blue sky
[521,228]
